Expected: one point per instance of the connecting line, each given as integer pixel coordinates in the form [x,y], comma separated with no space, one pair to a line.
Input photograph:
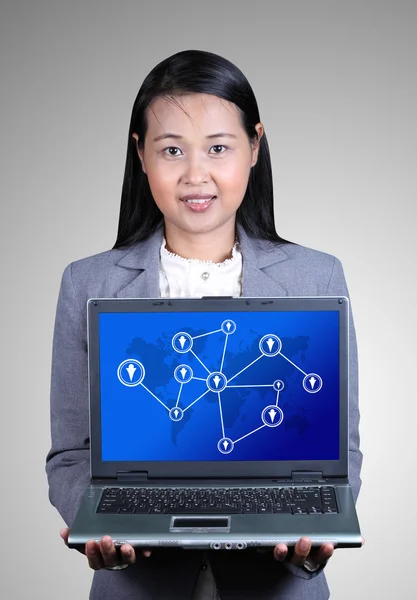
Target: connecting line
[189,406]
[254,361]
[255,385]
[224,352]
[203,334]
[200,362]
[221,413]
[179,394]
[283,356]
[199,378]
[250,433]
[277,398]
[160,402]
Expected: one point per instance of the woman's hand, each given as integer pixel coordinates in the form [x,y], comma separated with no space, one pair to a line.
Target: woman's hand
[104,554]
[302,551]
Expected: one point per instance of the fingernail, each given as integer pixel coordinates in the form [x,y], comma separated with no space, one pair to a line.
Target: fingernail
[304,545]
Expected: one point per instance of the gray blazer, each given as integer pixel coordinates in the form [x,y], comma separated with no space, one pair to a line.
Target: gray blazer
[268,270]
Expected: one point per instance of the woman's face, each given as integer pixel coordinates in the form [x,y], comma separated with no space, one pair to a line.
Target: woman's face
[197,157]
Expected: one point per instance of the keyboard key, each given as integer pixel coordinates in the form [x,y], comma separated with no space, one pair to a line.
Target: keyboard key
[282,509]
[299,511]
[196,510]
[109,509]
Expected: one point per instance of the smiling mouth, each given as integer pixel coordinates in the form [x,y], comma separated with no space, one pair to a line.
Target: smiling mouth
[198,203]
[198,199]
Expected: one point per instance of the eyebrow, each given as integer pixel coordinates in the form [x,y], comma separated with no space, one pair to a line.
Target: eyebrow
[175,136]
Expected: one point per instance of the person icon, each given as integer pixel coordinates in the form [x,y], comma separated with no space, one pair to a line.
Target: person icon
[182,342]
[131,372]
[312,383]
[272,416]
[225,445]
[216,382]
[278,385]
[183,373]
[270,345]
[176,414]
[228,326]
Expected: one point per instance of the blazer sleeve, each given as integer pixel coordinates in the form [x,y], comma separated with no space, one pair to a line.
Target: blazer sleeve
[68,461]
[337,287]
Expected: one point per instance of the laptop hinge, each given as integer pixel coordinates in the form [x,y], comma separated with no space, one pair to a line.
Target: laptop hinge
[132,476]
[307,475]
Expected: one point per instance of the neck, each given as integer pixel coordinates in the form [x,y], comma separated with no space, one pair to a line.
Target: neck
[215,246]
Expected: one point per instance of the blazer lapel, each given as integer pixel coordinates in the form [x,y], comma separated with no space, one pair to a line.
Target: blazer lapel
[258,255]
[143,262]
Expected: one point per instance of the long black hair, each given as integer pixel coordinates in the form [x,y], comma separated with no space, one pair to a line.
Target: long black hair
[195,71]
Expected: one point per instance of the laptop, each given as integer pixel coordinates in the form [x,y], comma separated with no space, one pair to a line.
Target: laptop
[218,423]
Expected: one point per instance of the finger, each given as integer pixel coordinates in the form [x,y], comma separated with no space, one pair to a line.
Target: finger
[363,541]
[93,554]
[108,552]
[301,551]
[64,533]
[127,554]
[280,552]
[321,555]
[147,552]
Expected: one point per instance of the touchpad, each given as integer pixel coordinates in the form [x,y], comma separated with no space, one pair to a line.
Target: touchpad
[199,524]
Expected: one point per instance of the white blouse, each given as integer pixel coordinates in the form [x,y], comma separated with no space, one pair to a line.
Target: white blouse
[192,278]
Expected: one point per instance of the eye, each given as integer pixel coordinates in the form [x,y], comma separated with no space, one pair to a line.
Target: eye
[219,149]
[171,151]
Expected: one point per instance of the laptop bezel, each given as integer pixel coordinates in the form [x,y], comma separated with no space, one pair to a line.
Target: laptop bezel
[212,469]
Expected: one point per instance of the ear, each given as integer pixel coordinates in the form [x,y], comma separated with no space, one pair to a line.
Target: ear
[139,151]
[255,145]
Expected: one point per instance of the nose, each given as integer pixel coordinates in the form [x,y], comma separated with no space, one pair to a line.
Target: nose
[195,172]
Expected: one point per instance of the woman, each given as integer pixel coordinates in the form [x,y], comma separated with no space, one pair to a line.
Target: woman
[196,219]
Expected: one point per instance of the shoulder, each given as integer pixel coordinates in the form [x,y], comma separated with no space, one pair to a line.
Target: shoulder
[99,267]
[97,275]
[102,275]
[309,257]
[92,271]
[95,267]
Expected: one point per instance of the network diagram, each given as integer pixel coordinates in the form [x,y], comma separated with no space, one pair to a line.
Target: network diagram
[131,373]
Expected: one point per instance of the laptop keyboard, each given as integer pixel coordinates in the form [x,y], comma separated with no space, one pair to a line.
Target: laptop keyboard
[173,501]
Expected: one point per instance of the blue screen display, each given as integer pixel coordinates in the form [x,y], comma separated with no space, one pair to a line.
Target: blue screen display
[219,386]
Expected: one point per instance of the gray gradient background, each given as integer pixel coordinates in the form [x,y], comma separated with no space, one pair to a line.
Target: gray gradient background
[336,86]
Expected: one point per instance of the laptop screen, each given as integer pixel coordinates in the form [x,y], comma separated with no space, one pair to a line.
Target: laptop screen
[219,386]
